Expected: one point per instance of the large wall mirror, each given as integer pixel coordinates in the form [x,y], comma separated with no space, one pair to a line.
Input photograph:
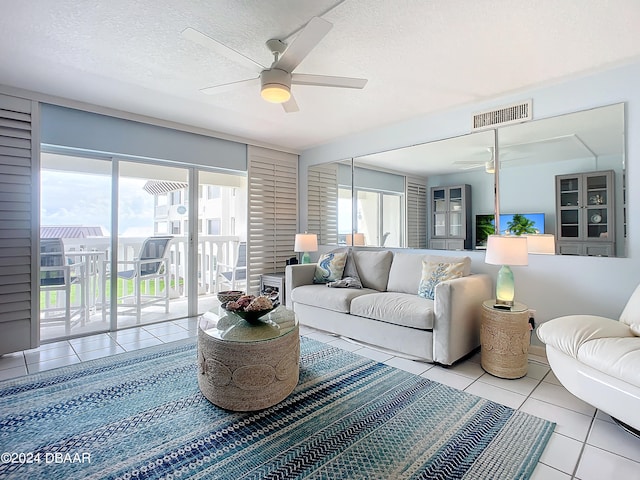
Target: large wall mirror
[562,176]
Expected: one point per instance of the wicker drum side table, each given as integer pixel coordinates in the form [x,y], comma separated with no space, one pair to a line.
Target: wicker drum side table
[504,340]
[246,366]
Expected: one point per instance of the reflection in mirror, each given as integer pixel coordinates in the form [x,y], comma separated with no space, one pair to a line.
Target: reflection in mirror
[540,163]
[379,206]
[443,222]
[329,201]
[570,168]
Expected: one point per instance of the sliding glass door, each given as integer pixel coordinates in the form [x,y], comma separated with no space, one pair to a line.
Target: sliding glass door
[221,235]
[380,217]
[75,239]
[176,245]
[149,279]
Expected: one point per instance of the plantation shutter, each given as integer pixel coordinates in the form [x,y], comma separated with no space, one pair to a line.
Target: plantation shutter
[18,188]
[322,188]
[273,212]
[416,214]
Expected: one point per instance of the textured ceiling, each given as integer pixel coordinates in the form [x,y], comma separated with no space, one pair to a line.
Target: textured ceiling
[420,56]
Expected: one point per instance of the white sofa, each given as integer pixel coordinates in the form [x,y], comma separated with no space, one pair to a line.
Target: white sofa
[598,359]
[387,312]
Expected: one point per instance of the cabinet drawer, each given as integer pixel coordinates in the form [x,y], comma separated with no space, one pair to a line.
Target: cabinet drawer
[605,250]
[455,244]
[438,244]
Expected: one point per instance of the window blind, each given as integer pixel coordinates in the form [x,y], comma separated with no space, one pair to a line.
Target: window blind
[416,214]
[273,212]
[18,185]
[322,203]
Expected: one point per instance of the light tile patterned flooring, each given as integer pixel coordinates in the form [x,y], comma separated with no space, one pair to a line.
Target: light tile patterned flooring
[585,445]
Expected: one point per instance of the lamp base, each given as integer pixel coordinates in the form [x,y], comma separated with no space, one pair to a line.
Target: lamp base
[306,258]
[505,289]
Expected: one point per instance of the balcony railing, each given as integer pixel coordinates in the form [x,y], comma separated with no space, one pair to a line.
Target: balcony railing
[92,288]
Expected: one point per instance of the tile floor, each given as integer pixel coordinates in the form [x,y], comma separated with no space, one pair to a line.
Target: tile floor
[585,445]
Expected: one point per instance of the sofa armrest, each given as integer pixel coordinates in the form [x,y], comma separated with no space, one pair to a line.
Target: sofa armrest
[456,329]
[295,276]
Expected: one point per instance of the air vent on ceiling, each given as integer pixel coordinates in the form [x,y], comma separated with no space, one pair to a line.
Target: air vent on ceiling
[516,113]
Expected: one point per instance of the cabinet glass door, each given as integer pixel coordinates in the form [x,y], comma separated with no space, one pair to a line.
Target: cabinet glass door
[570,207]
[455,212]
[597,207]
[439,210]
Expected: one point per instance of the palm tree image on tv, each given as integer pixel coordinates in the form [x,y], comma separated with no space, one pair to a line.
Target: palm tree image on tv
[520,225]
[484,227]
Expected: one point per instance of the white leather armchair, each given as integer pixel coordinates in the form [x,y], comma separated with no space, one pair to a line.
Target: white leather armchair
[598,359]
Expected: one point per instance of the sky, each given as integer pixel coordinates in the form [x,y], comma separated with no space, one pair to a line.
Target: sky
[69,198]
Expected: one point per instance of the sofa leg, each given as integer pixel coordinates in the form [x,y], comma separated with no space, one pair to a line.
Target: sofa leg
[627,428]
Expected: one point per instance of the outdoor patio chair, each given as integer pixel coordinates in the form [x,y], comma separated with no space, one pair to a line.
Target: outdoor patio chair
[150,275]
[235,273]
[62,284]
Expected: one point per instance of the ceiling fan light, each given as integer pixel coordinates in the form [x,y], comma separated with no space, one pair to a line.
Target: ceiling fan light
[276,85]
[275,93]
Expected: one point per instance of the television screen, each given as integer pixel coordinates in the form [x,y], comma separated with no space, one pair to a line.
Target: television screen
[510,223]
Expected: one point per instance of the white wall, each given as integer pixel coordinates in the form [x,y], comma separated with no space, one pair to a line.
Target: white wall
[553,285]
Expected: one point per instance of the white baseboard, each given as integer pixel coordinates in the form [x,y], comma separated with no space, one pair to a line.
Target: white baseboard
[536,352]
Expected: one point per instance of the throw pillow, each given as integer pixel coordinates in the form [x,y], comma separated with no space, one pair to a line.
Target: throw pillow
[435,272]
[346,282]
[351,272]
[330,267]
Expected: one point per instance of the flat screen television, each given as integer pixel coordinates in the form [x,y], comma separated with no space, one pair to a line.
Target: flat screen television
[514,223]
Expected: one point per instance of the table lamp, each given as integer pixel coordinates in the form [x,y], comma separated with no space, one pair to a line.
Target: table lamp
[355,239]
[305,243]
[541,243]
[506,250]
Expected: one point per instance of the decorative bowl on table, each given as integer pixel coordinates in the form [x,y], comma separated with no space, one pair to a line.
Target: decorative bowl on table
[229,296]
[252,316]
[250,307]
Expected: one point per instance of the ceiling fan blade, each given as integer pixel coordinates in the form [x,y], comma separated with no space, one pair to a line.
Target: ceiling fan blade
[226,87]
[469,166]
[290,106]
[221,49]
[306,40]
[327,81]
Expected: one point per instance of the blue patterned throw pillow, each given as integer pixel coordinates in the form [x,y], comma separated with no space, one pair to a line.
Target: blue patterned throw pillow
[435,272]
[330,267]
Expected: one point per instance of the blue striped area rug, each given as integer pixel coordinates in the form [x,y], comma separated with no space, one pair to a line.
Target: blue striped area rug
[140,415]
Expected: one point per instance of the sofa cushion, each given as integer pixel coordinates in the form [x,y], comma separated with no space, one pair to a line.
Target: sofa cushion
[631,313]
[569,333]
[406,270]
[404,309]
[373,268]
[337,299]
[618,357]
[330,267]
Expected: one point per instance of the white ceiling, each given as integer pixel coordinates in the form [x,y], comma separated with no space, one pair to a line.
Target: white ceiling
[420,56]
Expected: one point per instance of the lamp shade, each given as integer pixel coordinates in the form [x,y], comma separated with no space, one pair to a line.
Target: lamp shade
[506,250]
[542,243]
[355,239]
[306,242]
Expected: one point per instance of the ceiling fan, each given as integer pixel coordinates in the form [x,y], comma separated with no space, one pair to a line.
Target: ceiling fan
[488,163]
[275,81]
[520,151]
